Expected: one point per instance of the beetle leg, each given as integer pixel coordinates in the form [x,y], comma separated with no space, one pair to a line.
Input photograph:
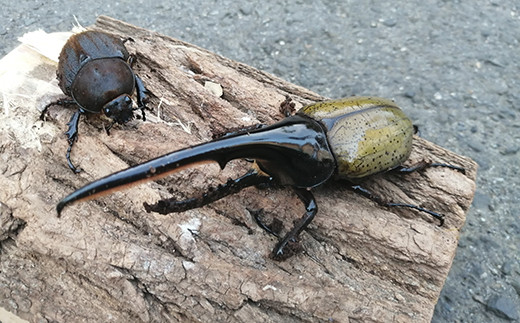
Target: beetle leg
[142,98]
[366,193]
[424,164]
[230,187]
[287,107]
[64,101]
[436,215]
[311,208]
[235,130]
[141,91]
[72,136]
[107,129]
[124,40]
[267,228]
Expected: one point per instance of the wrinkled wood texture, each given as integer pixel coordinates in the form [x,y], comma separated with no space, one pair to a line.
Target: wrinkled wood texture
[109,260]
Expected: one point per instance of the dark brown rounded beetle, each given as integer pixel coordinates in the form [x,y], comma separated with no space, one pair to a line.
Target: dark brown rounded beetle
[94,71]
[350,138]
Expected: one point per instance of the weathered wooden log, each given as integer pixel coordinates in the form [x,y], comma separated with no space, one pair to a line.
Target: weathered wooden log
[109,260]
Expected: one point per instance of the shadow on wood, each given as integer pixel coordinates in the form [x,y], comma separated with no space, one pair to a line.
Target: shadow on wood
[109,260]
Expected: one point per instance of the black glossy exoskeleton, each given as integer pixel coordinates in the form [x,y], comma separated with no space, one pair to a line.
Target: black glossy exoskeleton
[94,71]
[351,138]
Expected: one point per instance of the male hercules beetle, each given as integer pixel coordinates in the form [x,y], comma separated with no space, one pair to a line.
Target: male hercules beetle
[94,70]
[352,138]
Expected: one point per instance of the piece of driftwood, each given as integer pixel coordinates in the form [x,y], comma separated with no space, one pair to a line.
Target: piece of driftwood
[108,260]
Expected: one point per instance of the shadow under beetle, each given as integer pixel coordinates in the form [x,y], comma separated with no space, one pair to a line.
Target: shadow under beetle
[94,71]
[349,138]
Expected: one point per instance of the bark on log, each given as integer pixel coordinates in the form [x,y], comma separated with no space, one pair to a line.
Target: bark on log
[109,260]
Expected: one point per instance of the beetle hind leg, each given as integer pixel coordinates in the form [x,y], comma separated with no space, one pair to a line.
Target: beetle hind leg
[424,164]
[366,193]
[213,194]
[436,215]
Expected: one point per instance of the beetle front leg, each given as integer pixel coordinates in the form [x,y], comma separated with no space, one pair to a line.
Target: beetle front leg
[311,208]
[141,91]
[232,186]
[107,130]
[287,107]
[72,136]
[142,97]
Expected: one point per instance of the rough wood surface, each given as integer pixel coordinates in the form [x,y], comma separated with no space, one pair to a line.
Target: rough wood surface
[109,260]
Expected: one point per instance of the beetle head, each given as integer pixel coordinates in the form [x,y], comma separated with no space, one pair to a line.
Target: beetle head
[119,109]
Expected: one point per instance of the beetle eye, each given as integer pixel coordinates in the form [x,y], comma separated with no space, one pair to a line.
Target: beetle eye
[107,112]
[128,100]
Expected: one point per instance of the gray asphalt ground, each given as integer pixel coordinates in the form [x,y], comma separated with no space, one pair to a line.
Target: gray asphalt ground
[452,65]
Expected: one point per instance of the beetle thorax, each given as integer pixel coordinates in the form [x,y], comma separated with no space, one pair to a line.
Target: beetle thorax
[99,81]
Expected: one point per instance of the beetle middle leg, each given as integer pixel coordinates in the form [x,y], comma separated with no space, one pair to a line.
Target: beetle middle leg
[311,208]
[274,228]
[72,131]
[63,101]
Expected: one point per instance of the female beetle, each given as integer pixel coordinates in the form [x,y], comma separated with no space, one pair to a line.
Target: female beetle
[94,71]
[351,138]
